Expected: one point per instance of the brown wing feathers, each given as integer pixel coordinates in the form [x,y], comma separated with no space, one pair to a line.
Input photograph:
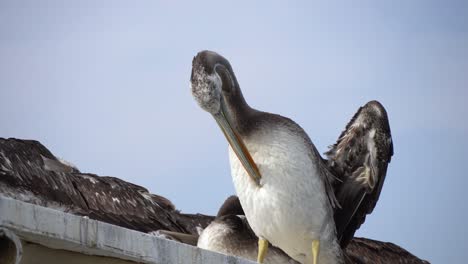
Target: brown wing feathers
[359,160]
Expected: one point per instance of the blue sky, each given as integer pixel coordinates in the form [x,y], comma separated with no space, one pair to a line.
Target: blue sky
[105,85]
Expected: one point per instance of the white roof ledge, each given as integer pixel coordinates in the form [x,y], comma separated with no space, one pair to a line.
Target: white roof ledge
[48,233]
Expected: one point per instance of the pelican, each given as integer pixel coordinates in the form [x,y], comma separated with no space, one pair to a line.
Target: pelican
[291,196]
[231,234]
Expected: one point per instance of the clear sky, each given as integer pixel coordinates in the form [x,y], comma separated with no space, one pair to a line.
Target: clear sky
[105,85]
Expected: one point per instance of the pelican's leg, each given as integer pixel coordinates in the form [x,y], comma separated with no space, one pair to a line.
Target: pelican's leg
[262,249]
[315,250]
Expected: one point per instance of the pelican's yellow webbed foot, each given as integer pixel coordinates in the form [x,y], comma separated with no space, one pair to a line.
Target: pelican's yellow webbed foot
[262,249]
[315,250]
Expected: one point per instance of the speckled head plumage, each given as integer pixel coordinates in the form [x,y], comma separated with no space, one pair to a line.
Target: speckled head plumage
[213,80]
[206,89]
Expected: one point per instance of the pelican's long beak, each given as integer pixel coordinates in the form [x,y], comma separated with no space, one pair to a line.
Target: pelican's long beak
[238,146]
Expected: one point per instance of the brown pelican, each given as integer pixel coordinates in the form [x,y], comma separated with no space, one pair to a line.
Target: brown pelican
[286,189]
[229,234]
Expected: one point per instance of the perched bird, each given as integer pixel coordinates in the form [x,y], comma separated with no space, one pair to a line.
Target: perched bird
[230,234]
[359,250]
[285,187]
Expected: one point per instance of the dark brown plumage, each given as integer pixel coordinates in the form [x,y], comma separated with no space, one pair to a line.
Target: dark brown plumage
[25,176]
[359,160]
[231,206]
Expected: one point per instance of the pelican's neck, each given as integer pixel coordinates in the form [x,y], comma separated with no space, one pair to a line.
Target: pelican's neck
[240,114]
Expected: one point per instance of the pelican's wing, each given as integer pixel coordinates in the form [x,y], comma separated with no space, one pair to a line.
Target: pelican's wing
[359,160]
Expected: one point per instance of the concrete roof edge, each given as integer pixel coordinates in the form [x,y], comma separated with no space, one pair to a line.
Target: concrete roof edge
[59,230]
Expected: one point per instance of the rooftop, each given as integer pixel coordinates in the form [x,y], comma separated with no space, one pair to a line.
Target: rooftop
[36,234]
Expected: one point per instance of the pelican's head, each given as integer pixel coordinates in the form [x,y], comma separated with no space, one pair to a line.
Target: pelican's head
[213,83]
[209,72]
